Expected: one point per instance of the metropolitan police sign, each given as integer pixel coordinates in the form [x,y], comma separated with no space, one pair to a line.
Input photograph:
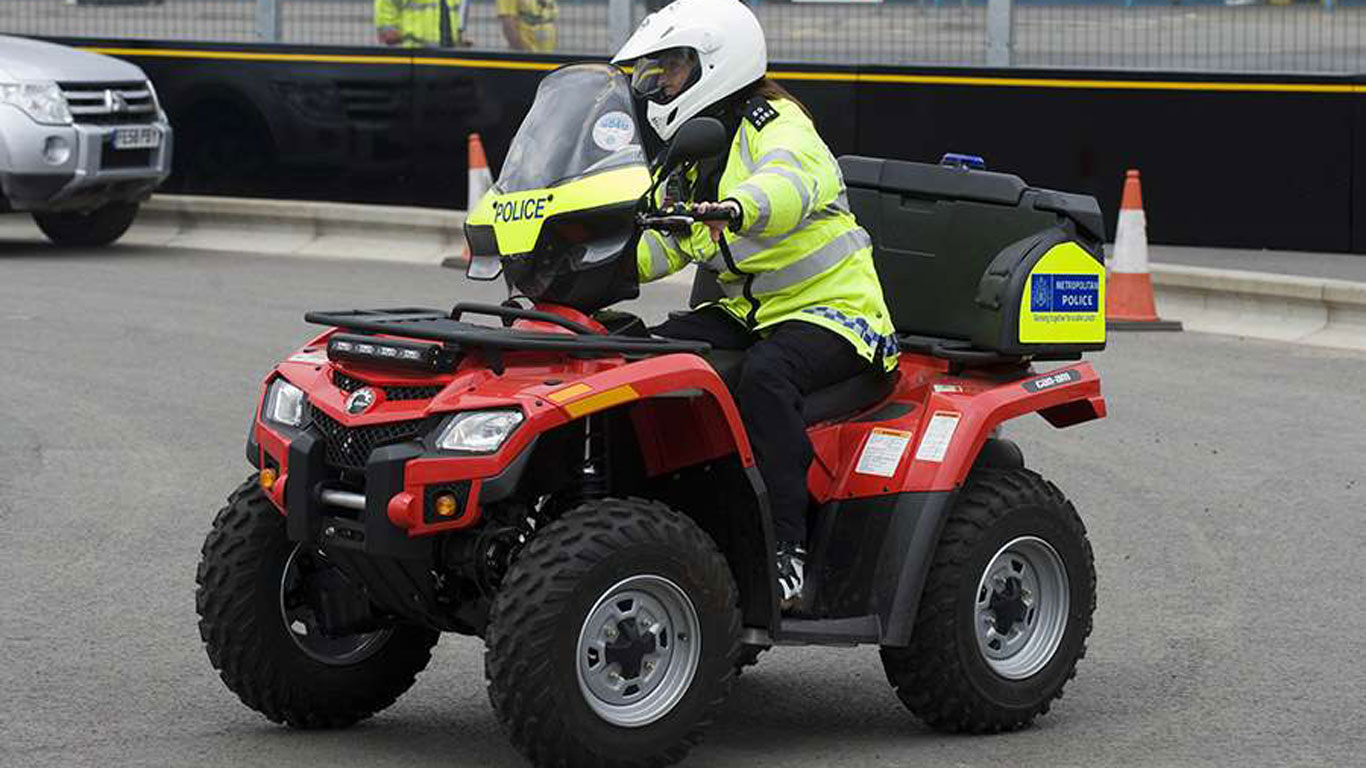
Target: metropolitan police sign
[1065,299]
[1065,293]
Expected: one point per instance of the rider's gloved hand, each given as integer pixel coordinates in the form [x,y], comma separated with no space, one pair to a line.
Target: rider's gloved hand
[731,207]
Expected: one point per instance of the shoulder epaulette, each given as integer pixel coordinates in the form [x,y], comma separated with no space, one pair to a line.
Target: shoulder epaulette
[759,112]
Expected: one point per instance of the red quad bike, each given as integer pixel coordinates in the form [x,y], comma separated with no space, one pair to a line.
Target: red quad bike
[583,495]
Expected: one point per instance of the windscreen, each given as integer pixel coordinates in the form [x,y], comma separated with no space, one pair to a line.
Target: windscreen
[582,122]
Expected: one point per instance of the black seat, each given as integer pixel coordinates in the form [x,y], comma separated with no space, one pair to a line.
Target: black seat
[840,400]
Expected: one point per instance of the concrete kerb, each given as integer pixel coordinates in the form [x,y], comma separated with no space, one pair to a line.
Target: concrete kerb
[1314,311]
[1305,310]
[303,228]
[288,227]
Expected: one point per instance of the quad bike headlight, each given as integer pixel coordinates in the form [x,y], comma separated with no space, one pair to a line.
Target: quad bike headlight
[478,431]
[285,404]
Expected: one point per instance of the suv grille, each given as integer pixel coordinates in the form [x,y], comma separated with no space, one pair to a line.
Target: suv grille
[349,447]
[110,103]
[126,158]
[351,384]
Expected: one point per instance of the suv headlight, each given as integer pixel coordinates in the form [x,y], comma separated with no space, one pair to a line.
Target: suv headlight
[285,404]
[478,431]
[43,102]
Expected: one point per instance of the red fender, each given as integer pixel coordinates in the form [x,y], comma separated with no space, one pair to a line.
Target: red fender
[957,414]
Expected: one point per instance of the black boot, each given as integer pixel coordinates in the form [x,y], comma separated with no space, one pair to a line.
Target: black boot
[791,574]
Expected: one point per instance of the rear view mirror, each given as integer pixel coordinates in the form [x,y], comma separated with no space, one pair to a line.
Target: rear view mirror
[484,268]
[698,139]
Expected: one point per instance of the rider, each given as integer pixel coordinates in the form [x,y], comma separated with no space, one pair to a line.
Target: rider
[801,295]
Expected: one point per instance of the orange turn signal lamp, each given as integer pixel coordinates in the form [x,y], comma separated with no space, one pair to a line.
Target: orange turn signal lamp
[267,479]
[445,505]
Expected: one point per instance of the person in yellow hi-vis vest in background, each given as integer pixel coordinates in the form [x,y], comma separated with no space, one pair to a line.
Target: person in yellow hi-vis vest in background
[418,23]
[529,25]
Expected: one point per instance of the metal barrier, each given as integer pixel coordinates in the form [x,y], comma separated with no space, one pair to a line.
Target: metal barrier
[1321,36]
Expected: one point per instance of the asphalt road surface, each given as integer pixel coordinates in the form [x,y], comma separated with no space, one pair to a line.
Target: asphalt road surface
[1224,496]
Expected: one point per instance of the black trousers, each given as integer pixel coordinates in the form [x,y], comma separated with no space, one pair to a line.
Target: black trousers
[780,368]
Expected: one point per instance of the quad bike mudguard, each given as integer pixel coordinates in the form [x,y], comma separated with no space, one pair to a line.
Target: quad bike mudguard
[549,396]
[876,530]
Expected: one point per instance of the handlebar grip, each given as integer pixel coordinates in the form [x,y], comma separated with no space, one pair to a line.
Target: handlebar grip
[721,214]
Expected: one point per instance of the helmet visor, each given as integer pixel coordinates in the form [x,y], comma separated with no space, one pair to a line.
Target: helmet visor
[661,77]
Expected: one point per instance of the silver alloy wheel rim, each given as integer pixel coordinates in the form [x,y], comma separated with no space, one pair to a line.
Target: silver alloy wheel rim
[1021,609]
[301,624]
[638,651]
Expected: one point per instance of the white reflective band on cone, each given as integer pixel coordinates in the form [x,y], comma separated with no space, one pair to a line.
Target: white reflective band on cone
[1131,243]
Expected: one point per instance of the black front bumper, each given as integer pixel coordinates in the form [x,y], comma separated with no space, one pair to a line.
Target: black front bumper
[371,532]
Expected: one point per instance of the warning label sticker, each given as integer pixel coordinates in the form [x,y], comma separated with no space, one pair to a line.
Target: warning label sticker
[882,453]
[938,435]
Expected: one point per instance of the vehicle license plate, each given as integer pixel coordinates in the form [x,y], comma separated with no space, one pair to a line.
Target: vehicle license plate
[148,137]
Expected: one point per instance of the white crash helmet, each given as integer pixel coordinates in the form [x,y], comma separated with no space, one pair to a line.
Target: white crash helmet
[720,39]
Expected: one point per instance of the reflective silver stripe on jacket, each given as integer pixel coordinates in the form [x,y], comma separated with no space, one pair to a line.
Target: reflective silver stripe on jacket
[815,263]
[750,165]
[659,259]
[780,154]
[748,247]
[792,178]
[761,202]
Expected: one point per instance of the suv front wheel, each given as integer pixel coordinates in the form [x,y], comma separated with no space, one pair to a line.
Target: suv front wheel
[101,226]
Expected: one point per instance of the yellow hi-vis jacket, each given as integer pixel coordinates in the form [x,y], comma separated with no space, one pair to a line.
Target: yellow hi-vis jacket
[799,254]
[535,22]
[418,20]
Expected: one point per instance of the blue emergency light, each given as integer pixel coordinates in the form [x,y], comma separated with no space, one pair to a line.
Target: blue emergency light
[955,160]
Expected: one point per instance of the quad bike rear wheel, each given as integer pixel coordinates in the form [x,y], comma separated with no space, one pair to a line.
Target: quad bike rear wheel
[614,637]
[263,635]
[1006,608]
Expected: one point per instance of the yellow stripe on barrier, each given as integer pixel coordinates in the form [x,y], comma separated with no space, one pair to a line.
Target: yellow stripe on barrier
[837,77]
[1127,85]
[319,58]
[324,58]
[487,64]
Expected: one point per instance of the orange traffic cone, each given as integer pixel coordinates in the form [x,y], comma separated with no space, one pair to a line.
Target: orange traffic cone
[480,177]
[480,181]
[1129,303]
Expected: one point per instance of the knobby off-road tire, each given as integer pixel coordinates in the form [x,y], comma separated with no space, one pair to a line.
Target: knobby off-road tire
[1006,523]
[244,630]
[88,229]
[559,624]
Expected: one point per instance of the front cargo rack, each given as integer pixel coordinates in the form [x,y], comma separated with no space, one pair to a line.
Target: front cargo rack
[437,325]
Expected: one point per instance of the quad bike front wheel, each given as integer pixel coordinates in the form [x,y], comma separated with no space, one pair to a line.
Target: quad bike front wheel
[1006,609]
[261,631]
[614,637]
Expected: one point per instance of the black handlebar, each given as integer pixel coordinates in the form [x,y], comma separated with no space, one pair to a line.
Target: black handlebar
[720,214]
[681,219]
